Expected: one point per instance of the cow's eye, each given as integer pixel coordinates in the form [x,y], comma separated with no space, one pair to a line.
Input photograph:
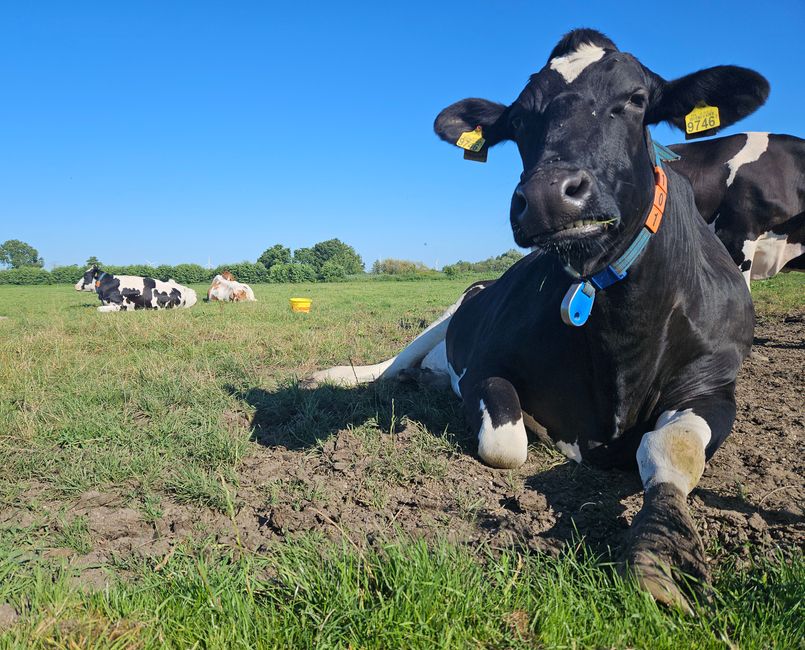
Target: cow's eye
[638,100]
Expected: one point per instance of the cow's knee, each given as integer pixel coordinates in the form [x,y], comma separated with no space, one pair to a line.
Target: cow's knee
[502,438]
[674,453]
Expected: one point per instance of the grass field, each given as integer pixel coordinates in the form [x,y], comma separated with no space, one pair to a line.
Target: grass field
[158,412]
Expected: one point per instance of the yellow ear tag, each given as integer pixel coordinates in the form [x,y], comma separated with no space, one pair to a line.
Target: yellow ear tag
[471,140]
[702,118]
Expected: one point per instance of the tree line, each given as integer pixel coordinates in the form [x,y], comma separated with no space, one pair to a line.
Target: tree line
[328,261]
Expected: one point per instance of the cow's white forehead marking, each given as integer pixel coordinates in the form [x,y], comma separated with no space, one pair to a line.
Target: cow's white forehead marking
[756,145]
[572,65]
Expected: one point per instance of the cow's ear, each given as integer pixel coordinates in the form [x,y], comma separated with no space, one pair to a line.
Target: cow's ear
[468,114]
[736,92]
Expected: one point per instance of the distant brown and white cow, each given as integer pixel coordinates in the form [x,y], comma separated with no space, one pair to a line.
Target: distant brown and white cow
[225,288]
[750,188]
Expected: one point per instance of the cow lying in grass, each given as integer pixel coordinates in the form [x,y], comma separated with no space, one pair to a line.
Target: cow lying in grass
[751,188]
[621,336]
[126,292]
[225,288]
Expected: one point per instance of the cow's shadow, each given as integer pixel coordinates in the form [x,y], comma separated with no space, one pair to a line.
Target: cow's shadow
[585,501]
[299,417]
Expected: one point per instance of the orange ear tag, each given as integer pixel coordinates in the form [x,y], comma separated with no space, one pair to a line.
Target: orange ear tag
[97,283]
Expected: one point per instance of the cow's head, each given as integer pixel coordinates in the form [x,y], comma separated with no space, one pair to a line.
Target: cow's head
[579,125]
[87,281]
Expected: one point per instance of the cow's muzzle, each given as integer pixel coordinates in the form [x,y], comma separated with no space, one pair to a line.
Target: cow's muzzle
[556,203]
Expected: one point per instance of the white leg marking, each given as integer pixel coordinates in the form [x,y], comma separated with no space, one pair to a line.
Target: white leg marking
[572,65]
[571,451]
[674,452]
[755,147]
[506,446]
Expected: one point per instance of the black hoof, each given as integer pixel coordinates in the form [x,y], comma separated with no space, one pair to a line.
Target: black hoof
[665,553]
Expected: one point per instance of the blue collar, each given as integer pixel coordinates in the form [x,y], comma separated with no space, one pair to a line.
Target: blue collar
[578,301]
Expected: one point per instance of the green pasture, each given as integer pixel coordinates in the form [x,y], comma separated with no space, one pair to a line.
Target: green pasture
[156,407]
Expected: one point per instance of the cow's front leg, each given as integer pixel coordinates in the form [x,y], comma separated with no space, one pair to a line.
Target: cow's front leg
[493,412]
[664,546]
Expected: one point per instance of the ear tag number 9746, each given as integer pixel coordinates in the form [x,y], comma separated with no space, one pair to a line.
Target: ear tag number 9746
[702,118]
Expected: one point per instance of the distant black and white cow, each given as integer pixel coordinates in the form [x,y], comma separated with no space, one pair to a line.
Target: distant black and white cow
[126,292]
[751,188]
[620,338]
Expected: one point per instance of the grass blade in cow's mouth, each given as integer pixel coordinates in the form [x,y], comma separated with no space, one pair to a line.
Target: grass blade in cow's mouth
[577,229]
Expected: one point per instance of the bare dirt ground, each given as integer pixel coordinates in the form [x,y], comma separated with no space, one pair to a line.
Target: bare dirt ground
[358,487]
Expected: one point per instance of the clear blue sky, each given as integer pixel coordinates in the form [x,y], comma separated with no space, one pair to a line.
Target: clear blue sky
[181,131]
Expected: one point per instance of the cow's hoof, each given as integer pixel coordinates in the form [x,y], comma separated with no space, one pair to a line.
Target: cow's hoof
[665,553]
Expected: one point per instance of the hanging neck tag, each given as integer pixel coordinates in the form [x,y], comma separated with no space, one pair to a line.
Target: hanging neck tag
[578,303]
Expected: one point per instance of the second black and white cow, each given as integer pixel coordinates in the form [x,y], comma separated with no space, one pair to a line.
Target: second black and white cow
[751,188]
[620,338]
[128,292]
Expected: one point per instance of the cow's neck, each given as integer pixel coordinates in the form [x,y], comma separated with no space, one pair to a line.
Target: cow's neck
[580,297]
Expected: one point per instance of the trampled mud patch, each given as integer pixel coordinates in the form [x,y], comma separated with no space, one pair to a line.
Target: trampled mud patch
[379,465]
[750,498]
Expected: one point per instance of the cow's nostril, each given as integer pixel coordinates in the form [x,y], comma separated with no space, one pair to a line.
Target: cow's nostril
[577,187]
[519,203]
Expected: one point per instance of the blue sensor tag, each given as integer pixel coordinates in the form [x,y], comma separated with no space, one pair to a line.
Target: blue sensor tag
[578,303]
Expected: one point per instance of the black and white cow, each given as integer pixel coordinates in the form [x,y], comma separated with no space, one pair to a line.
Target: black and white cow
[751,188]
[126,292]
[620,337]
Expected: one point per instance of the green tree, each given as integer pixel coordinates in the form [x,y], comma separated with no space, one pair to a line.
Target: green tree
[332,271]
[391,266]
[292,273]
[17,254]
[332,250]
[305,256]
[93,261]
[490,265]
[277,254]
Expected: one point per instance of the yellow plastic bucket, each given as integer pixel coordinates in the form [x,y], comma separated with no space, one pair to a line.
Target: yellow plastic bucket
[301,305]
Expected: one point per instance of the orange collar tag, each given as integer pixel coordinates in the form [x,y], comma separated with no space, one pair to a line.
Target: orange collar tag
[660,198]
